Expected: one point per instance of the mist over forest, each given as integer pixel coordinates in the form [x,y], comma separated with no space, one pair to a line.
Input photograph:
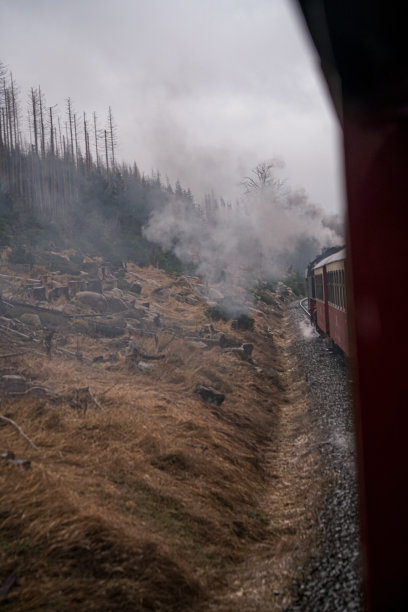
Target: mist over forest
[63,187]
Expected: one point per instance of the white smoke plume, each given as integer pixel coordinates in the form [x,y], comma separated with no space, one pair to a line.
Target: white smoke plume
[269,230]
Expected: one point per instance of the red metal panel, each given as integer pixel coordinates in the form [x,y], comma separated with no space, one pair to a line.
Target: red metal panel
[376,164]
[321,316]
[339,328]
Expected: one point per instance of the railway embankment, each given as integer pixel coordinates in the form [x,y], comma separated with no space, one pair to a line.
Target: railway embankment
[144,457]
[332,577]
[311,562]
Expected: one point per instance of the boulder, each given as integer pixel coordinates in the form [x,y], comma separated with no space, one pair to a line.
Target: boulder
[93,300]
[197,344]
[116,304]
[145,366]
[238,352]
[108,328]
[135,288]
[210,395]
[274,377]
[248,347]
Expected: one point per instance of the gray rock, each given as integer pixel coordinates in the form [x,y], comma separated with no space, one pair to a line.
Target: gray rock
[145,366]
[115,304]
[197,344]
[93,300]
[273,376]
[210,395]
[23,463]
[108,328]
[248,347]
[135,288]
[239,352]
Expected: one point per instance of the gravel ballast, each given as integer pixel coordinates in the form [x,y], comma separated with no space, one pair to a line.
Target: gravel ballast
[332,580]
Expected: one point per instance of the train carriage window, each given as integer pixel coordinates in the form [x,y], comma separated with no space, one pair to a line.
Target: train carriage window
[319,286]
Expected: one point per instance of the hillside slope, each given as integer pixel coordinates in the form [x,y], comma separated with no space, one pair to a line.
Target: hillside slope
[165,473]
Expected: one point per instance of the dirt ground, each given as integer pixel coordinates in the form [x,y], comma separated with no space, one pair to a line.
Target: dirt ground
[124,488]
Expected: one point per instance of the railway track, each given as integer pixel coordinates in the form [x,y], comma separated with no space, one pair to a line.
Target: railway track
[303,307]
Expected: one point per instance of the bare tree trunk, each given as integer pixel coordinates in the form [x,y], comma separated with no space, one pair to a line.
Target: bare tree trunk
[69,106]
[61,145]
[34,110]
[42,131]
[96,141]
[106,151]
[15,110]
[112,137]
[52,133]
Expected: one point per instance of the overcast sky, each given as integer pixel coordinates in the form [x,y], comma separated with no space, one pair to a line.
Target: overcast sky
[201,90]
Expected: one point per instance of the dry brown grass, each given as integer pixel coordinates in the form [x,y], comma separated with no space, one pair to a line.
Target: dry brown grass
[158,500]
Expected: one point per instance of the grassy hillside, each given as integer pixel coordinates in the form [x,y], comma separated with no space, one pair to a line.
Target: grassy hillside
[141,494]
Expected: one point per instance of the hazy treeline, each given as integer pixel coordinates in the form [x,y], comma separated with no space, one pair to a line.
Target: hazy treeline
[61,184]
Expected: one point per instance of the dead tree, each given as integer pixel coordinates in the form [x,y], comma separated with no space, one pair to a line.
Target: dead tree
[96,136]
[34,110]
[106,150]
[112,137]
[42,127]
[70,120]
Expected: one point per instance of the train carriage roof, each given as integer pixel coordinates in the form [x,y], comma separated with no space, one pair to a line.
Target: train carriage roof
[339,256]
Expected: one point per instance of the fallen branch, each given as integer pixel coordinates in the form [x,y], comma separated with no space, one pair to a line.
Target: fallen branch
[151,357]
[13,276]
[20,431]
[13,331]
[78,356]
[30,390]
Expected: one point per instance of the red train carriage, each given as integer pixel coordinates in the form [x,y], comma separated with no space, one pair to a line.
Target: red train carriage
[327,297]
